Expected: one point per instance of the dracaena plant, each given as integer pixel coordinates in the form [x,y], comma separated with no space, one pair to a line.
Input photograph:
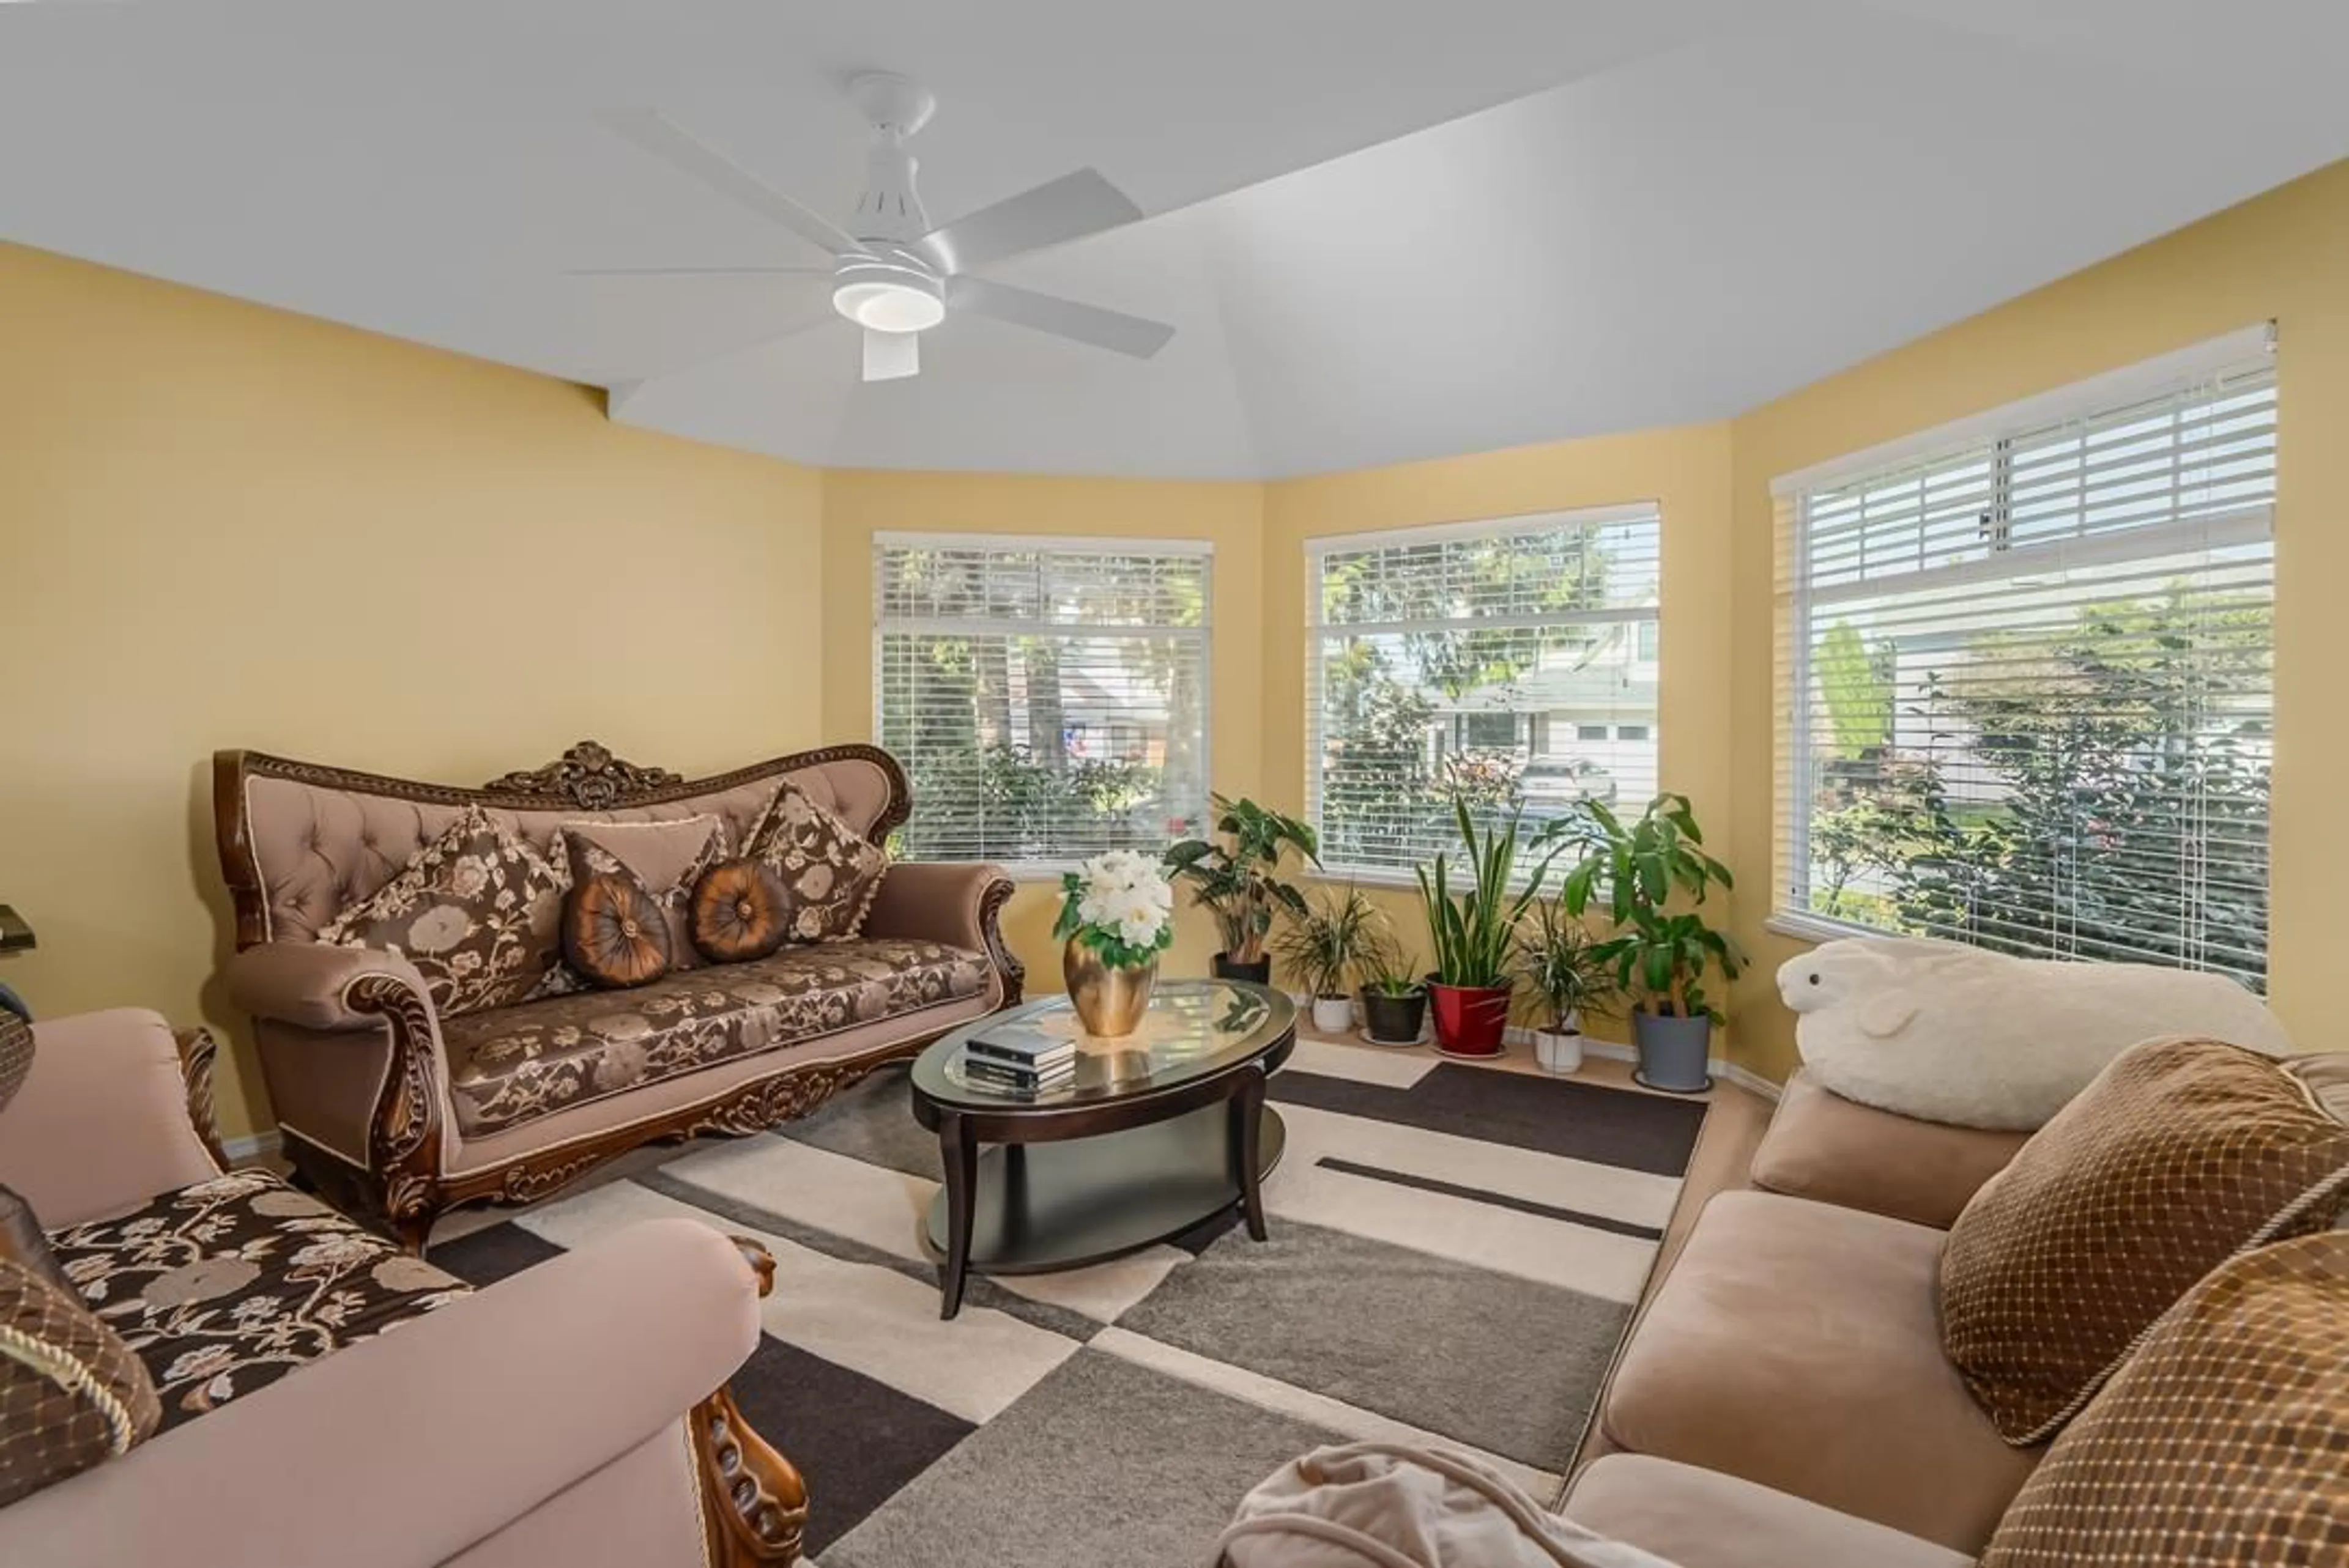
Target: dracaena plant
[1568,968]
[1339,933]
[1634,871]
[1475,928]
[1236,875]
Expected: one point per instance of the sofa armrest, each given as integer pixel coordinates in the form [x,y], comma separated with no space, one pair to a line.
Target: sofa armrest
[403,1450]
[956,902]
[101,1124]
[310,983]
[1831,1150]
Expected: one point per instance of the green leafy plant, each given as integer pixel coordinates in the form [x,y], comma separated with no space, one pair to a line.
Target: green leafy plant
[1333,938]
[1634,870]
[1564,964]
[1236,876]
[1474,930]
[1388,970]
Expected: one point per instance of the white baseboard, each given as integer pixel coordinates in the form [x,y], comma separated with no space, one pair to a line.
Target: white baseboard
[250,1146]
[1616,1051]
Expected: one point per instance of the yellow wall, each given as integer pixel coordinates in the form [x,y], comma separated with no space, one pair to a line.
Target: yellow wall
[1685,471]
[227,525]
[2285,256]
[231,526]
[859,503]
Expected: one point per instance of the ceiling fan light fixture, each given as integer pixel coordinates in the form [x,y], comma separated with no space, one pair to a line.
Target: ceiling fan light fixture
[888,296]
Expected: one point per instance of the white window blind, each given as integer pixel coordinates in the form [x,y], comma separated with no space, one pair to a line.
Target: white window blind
[1048,698]
[1511,662]
[2025,677]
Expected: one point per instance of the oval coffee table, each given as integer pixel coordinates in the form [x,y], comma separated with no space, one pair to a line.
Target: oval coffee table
[1159,1130]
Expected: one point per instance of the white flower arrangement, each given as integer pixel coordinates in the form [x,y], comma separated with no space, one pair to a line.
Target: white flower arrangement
[1120,905]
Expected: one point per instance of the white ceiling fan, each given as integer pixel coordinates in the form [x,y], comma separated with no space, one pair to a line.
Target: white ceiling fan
[896,276]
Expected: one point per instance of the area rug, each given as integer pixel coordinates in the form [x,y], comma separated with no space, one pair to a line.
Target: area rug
[1455,1254]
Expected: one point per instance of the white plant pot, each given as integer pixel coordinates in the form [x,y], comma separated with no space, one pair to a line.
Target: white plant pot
[1333,1015]
[1558,1051]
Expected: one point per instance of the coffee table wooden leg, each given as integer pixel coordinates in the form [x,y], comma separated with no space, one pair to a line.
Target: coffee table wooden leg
[960,1152]
[1247,1113]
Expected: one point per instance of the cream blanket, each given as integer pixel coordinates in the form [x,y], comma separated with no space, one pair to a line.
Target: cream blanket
[1383,1505]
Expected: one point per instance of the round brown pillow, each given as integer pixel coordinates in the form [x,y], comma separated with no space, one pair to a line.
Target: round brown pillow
[739,912]
[614,931]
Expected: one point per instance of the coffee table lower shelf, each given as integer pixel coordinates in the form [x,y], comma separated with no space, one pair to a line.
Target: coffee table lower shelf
[1041,1207]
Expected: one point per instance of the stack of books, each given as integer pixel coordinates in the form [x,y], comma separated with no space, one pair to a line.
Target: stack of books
[1021,1060]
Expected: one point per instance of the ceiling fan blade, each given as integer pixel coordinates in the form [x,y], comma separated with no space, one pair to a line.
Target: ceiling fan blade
[696,271]
[1109,329]
[891,355]
[806,317]
[656,135]
[1068,208]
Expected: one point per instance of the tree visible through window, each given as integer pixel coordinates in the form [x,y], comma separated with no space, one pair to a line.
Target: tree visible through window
[2027,683]
[1049,700]
[1513,663]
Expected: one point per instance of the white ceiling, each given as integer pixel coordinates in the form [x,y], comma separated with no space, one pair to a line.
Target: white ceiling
[1384,229]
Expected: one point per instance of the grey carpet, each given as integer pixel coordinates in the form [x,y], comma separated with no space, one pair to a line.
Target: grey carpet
[1455,1255]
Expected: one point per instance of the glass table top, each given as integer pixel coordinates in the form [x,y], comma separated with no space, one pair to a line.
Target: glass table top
[1192,1029]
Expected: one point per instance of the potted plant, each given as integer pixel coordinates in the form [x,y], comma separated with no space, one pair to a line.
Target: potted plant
[1634,870]
[1324,946]
[1117,915]
[1394,999]
[1475,932]
[1237,878]
[1564,964]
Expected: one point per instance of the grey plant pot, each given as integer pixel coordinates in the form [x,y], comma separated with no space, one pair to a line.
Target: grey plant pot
[1673,1052]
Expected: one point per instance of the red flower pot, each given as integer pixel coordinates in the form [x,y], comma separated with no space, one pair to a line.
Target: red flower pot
[1469,1019]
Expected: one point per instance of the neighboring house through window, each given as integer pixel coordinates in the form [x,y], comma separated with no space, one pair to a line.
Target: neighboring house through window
[2025,674]
[1510,661]
[1048,697]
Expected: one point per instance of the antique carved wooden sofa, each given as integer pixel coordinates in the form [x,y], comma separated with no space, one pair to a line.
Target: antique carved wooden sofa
[398,1112]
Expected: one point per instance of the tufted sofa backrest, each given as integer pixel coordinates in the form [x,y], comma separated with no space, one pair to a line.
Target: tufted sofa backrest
[299,843]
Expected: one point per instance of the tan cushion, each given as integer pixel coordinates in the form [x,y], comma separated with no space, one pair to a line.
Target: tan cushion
[1700,1519]
[2178,1155]
[71,1393]
[2223,1440]
[1835,1150]
[1797,1345]
[830,872]
[668,858]
[476,911]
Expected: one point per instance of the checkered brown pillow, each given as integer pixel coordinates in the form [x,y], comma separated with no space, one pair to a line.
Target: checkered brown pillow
[2225,1439]
[2179,1155]
[71,1392]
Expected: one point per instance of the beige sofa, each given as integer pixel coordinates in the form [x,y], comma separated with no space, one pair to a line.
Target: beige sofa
[398,1113]
[298,1431]
[1784,1401]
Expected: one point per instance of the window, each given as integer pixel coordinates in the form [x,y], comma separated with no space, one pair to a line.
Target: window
[1047,697]
[2025,675]
[1630,732]
[1494,660]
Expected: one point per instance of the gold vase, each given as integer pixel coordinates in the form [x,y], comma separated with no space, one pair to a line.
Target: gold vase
[1110,1002]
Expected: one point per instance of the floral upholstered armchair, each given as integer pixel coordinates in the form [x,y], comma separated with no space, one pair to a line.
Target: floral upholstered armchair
[327,1398]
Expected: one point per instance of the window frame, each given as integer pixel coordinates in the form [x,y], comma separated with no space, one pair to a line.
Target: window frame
[1991,432]
[1049,869]
[1318,547]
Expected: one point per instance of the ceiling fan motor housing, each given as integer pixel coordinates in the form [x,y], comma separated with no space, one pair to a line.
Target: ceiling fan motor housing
[890,209]
[888,290]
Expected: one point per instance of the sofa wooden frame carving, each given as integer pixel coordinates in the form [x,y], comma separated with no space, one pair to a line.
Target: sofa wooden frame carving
[403,1186]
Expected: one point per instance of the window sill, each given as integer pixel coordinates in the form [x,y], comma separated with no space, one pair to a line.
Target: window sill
[1815,927]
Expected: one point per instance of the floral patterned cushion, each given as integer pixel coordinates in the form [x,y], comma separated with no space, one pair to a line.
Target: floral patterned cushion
[830,872]
[523,1062]
[225,1287]
[477,911]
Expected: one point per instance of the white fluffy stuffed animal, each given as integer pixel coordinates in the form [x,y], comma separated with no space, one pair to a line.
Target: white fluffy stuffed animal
[1944,1032]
